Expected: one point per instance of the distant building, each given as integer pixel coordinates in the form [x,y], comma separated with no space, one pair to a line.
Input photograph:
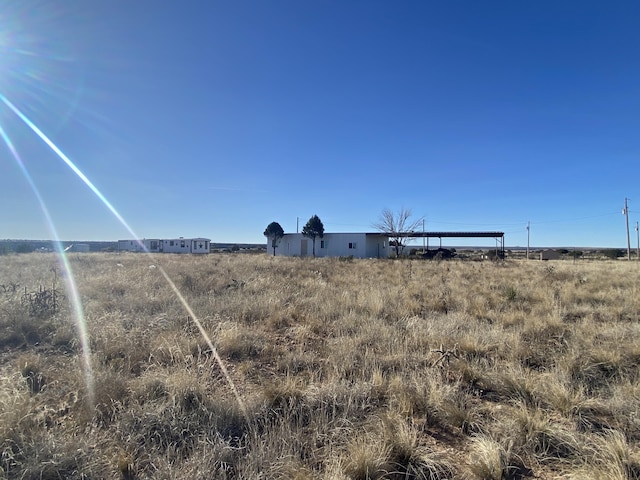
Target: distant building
[358,245]
[158,245]
[549,255]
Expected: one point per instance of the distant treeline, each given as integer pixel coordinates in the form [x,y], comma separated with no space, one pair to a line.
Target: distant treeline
[28,246]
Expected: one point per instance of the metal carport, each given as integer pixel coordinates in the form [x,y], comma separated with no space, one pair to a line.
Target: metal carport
[499,237]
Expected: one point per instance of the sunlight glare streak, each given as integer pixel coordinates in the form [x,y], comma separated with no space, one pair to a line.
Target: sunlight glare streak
[112,209]
[66,160]
[76,303]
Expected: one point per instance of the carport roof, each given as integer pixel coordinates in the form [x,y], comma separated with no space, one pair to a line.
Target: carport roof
[443,234]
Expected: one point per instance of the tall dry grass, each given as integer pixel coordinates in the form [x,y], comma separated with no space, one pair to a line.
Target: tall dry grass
[347,370]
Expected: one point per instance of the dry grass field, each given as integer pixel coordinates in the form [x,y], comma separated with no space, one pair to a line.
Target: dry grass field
[358,369]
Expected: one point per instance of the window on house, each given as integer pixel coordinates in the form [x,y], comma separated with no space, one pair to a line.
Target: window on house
[171,243]
[323,244]
[182,243]
[352,245]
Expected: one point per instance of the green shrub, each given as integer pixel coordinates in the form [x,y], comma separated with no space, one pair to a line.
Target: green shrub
[613,253]
[24,248]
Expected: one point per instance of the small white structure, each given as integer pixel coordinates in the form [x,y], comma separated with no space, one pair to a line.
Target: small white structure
[158,245]
[358,245]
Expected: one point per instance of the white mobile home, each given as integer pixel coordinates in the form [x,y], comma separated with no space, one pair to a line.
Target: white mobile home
[130,246]
[358,245]
[158,245]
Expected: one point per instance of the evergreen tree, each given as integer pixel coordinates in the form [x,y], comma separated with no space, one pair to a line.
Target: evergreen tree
[314,228]
[274,233]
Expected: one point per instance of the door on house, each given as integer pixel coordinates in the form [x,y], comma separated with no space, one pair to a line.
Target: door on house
[303,247]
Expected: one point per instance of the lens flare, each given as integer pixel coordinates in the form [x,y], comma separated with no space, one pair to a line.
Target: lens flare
[74,300]
[112,209]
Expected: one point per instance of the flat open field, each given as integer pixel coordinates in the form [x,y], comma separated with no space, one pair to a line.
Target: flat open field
[341,369]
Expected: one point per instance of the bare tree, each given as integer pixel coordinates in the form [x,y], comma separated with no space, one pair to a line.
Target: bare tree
[397,225]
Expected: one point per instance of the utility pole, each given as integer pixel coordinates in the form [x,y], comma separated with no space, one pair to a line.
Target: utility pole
[625,212]
[423,235]
[638,242]
[297,223]
[528,232]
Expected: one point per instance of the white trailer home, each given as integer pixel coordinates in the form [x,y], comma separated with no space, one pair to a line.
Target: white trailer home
[130,246]
[358,245]
[157,245]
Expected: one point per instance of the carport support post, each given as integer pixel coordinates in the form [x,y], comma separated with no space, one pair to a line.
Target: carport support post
[501,240]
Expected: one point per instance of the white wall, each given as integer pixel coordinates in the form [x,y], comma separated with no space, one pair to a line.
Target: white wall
[176,245]
[377,246]
[153,244]
[200,245]
[358,245]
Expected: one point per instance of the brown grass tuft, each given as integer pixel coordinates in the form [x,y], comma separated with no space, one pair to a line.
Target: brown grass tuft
[346,369]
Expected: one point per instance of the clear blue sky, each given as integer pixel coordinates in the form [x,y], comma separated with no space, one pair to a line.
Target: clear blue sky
[214,118]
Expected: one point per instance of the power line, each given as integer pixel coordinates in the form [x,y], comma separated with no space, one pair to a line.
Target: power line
[566,220]
[348,224]
[475,224]
[576,219]
[527,225]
